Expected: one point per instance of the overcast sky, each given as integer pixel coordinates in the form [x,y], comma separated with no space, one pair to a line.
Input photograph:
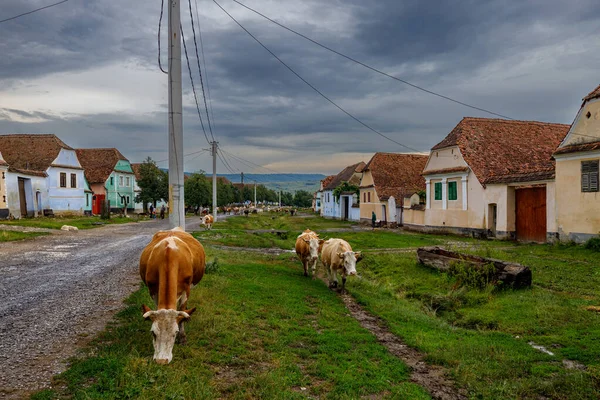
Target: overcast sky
[87,71]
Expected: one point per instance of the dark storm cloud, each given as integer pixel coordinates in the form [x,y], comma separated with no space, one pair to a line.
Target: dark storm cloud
[524,59]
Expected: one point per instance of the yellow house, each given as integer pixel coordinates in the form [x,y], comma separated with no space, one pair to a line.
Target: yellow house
[493,177]
[577,187]
[387,180]
[3,195]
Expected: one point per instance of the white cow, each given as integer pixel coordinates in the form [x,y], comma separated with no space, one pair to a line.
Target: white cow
[207,221]
[337,257]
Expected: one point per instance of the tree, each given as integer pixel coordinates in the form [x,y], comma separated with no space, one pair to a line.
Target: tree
[197,190]
[153,183]
[287,199]
[346,187]
[302,198]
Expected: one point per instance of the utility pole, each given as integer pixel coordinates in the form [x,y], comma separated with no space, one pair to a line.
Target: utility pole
[254,193]
[280,198]
[214,154]
[242,179]
[176,200]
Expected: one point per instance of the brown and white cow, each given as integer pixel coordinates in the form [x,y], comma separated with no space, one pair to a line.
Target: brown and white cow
[170,265]
[207,221]
[308,245]
[338,258]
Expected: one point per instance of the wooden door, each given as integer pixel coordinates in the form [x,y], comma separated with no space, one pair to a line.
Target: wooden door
[530,208]
[22,198]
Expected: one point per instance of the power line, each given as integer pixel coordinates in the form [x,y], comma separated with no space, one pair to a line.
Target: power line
[225,163]
[372,68]
[313,87]
[32,11]
[193,87]
[212,114]
[162,4]
[185,155]
[200,71]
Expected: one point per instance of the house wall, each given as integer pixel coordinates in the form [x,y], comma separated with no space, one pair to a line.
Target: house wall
[375,204]
[68,199]
[33,184]
[584,129]
[577,212]
[331,209]
[115,187]
[413,217]
[3,195]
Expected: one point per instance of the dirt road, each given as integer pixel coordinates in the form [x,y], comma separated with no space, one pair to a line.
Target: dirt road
[57,291]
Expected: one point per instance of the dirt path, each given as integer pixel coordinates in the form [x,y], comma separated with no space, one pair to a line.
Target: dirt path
[59,291]
[430,377]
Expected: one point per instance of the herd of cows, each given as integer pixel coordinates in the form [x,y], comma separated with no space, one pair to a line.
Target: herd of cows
[174,261]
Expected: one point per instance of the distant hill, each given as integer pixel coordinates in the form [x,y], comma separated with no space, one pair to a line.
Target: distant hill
[283,182]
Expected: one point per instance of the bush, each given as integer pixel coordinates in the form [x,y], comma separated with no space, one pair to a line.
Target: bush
[593,244]
[212,267]
[473,276]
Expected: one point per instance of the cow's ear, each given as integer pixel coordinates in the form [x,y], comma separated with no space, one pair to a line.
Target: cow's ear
[145,309]
[306,240]
[321,241]
[340,255]
[358,255]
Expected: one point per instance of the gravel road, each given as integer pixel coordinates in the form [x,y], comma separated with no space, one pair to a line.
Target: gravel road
[58,291]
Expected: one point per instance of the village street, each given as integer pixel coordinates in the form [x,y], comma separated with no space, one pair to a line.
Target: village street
[59,290]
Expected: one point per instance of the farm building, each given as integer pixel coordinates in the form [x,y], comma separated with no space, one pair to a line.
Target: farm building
[3,200]
[577,183]
[494,177]
[318,207]
[111,178]
[345,207]
[44,176]
[387,180]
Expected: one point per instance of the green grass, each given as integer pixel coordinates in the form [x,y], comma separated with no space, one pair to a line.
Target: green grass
[9,236]
[264,331]
[79,222]
[261,331]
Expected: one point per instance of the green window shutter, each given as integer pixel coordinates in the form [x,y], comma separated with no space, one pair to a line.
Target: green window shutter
[438,191]
[589,176]
[452,195]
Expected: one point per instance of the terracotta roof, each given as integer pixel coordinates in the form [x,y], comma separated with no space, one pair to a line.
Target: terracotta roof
[327,181]
[31,153]
[578,147]
[593,94]
[346,175]
[496,149]
[2,162]
[98,164]
[397,173]
[446,170]
[136,170]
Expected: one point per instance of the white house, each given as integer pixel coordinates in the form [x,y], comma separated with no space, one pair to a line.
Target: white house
[44,175]
[342,207]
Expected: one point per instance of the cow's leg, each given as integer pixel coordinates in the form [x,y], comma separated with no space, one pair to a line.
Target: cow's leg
[314,268]
[333,283]
[305,265]
[343,283]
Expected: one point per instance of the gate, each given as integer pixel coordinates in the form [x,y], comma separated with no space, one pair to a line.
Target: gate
[22,198]
[97,201]
[530,209]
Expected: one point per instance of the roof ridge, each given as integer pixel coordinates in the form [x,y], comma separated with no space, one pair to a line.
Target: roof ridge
[512,121]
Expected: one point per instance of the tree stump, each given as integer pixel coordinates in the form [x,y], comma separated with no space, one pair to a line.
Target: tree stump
[511,274]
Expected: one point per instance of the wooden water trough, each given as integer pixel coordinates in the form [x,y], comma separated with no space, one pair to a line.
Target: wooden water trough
[511,274]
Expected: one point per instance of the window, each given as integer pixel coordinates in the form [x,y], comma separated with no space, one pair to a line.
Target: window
[127,182]
[589,176]
[63,179]
[438,191]
[127,199]
[452,195]
[369,196]
[365,197]
[120,181]
[122,199]
[87,200]
[112,181]
[73,180]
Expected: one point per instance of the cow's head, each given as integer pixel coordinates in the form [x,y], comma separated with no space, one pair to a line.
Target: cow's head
[314,245]
[165,327]
[350,258]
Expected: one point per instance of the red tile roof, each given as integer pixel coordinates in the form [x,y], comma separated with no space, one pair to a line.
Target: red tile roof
[346,175]
[446,170]
[98,164]
[593,94]
[396,174]
[327,181]
[578,147]
[136,170]
[2,162]
[497,149]
[31,153]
